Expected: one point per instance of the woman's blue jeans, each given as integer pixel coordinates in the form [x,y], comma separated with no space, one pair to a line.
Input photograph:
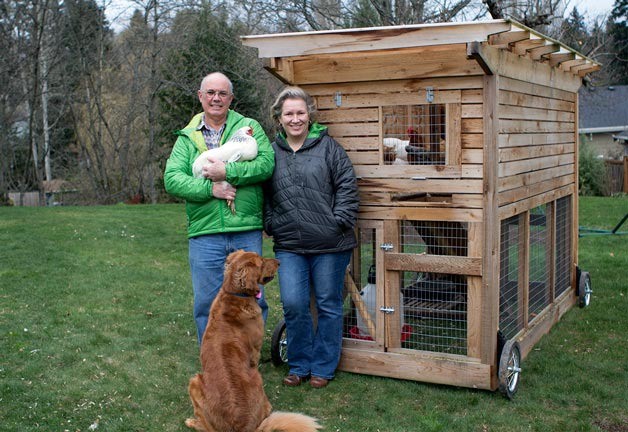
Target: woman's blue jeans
[207,265]
[313,351]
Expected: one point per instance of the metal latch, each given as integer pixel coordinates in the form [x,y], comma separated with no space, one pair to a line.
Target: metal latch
[429,94]
[386,247]
[338,98]
[387,310]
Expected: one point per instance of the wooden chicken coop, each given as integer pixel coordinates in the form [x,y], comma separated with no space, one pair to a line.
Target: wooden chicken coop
[464,140]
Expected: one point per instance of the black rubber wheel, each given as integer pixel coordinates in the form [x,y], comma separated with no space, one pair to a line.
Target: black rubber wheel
[279,344]
[509,369]
[584,289]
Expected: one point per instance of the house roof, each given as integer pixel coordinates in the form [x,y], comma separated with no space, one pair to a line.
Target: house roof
[603,109]
[502,34]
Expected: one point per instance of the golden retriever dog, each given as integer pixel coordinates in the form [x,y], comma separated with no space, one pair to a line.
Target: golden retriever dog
[229,395]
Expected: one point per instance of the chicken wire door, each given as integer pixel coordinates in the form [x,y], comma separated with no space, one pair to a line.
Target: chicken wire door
[364,323]
[400,298]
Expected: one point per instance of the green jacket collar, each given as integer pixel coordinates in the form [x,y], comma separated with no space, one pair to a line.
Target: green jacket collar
[197,136]
[316,131]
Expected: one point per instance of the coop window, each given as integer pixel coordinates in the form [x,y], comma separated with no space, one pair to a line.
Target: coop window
[563,245]
[511,245]
[415,134]
[539,262]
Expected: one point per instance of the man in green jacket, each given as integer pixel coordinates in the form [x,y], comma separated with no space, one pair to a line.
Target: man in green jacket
[214,231]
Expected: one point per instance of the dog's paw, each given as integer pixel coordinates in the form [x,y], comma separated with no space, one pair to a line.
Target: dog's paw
[194,424]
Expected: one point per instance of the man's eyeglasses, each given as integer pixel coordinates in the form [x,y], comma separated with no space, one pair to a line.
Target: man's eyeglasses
[221,94]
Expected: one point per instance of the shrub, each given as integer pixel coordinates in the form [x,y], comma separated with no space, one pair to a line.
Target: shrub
[592,172]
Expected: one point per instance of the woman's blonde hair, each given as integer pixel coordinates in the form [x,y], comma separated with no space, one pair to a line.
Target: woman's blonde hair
[292,92]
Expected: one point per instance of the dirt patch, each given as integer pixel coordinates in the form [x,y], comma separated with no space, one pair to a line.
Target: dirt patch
[612,425]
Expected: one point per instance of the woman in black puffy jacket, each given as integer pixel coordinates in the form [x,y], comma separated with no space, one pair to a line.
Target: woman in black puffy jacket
[310,209]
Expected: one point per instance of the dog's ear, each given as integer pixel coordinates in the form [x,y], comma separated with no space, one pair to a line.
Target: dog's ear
[239,277]
[246,273]
[231,261]
[233,256]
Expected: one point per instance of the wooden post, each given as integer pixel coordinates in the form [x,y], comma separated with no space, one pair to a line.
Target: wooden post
[490,260]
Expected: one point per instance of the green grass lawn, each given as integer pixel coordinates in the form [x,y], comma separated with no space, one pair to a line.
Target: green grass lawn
[96,333]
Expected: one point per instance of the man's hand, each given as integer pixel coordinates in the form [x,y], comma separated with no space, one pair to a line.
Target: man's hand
[224,190]
[215,169]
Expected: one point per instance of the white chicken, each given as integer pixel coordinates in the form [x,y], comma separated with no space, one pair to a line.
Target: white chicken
[397,147]
[240,147]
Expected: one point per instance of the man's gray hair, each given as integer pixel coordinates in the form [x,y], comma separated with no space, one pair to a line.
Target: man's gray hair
[213,74]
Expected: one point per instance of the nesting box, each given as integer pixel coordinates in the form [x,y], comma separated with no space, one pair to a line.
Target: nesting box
[464,141]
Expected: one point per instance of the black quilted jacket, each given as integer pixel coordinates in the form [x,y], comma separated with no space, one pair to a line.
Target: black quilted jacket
[311,201]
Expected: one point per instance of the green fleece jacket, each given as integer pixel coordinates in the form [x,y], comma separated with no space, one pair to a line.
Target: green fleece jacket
[209,215]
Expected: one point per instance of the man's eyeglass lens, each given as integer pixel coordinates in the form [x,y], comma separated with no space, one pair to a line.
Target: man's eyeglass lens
[221,94]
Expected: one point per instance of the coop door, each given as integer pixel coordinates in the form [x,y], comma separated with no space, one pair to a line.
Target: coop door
[365,283]
[406,287]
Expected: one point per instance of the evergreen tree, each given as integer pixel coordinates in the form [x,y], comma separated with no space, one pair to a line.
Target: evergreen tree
[364,15]
[207,43]
[618,31]
[574,31]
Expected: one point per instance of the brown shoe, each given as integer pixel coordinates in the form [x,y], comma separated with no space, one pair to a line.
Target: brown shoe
[293,380]
[318,382]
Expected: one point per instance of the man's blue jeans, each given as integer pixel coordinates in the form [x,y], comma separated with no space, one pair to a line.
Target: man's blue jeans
[315,352]
[207,265]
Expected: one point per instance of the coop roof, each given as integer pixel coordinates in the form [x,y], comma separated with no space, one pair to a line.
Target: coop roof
[503,34]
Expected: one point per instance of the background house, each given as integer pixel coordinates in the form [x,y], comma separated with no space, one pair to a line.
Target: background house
[603,117]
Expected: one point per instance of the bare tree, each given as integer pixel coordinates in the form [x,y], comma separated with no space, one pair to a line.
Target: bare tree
[300,15]
[542,15]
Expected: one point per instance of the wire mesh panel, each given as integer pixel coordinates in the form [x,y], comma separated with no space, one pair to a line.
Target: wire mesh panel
[539,259]
[415,134]
[355,325]
[509,265]
[434,237]
[563,245]
[435,304]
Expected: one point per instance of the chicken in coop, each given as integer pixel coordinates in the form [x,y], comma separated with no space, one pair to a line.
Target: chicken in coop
[416,149]
[395,151]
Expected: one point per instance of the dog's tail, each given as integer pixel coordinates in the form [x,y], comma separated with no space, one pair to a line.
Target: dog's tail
[288,422]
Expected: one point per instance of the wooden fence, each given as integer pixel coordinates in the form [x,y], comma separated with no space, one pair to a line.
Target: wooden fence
[617,175]
[26,199]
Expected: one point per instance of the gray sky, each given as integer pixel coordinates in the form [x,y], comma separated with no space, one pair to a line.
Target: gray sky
[118,11]
[591,8]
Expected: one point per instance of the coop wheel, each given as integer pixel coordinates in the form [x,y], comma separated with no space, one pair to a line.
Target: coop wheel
[279,344]
[584,289]
[509,369]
